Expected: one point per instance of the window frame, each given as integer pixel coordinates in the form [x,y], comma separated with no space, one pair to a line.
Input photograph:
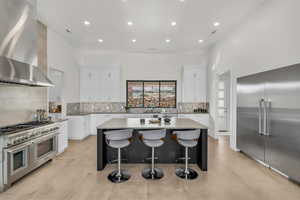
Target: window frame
[143,81]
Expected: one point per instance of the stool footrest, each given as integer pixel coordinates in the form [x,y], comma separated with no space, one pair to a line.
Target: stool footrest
[181,159]
[116,161]
[150,159]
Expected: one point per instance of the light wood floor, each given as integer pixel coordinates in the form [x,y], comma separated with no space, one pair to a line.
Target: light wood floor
[73,176]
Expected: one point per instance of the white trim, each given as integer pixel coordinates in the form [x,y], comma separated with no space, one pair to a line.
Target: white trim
[230,117]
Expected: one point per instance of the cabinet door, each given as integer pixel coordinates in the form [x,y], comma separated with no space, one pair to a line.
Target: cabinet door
[194,84]
[56,92]
[87,124]
[65,134]
[77,128]
[60,142]
[110,84]
[96,120]
[89,84]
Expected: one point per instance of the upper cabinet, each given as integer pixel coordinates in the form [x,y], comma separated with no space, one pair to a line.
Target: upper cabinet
[100,84]
[110,85]
[56,92]
[194,82]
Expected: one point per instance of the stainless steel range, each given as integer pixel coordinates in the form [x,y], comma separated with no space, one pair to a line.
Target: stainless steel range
[24,147]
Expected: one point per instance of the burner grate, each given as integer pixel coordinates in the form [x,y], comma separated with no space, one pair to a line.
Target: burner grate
[22,127]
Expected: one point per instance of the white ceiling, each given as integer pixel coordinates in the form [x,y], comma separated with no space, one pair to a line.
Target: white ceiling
[152,22]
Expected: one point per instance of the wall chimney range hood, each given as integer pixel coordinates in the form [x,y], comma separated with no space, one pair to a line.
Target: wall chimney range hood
[15,72]
[18,44]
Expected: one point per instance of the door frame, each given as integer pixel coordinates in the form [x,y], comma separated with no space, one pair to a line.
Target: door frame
[229,103]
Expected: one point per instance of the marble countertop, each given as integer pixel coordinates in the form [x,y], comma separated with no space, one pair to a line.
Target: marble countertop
[59,120]
[134,123]
[127,113]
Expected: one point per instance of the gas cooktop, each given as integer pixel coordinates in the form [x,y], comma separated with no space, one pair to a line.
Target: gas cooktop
[22,127]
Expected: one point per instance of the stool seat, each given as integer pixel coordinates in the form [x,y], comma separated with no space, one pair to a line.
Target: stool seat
[118,143]
[153,143]
[153,134]
[118,134]
[187,135]
[188,143]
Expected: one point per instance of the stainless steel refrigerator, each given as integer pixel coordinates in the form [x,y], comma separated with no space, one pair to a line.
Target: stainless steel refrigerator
[268,119]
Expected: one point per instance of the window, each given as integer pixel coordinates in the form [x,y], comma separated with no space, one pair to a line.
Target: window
[151,94]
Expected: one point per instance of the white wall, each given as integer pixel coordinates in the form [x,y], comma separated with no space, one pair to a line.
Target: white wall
[266,40]
[144,66]
[61,56]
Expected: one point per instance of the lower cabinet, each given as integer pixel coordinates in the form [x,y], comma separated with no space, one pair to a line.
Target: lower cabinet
[96,120]
[79,127]
[63,137]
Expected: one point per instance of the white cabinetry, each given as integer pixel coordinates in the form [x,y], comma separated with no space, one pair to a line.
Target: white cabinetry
[110,84]
[89,84]
[79,127]
[56,92]
[194,84]
[100,84]
[63,136]
[96,120]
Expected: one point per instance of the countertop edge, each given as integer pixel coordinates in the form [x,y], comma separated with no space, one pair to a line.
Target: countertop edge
[120,113]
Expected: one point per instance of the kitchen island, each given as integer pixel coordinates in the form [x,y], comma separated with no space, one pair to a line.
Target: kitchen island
[137,152]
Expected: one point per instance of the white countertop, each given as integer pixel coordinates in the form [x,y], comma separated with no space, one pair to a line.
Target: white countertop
[134,123]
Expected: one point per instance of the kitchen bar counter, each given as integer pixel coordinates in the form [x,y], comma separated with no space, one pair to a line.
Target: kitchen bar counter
[128,113]
[137,151]
[134,123]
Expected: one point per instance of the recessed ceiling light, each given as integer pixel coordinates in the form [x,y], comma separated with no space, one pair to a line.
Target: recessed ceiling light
[168,40]
[133,40]
[217,24]
[173,23]
[124,0]
[87,23]
[181,0]
[130,23]
[68,30]
[200,41]
[100,40]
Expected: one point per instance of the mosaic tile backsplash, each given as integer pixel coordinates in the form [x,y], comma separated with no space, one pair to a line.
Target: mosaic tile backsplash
[119,107]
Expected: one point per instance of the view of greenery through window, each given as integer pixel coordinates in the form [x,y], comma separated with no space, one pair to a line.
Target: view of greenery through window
[151,94]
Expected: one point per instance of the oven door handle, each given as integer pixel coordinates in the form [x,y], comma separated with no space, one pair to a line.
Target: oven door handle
[46,137]
[17,148]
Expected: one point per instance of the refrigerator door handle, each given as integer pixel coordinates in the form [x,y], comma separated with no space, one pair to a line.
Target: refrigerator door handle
[267,117]
[260,132]
[265,121]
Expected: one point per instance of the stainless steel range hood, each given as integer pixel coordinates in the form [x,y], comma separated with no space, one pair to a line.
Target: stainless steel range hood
[15,72]
[18,44]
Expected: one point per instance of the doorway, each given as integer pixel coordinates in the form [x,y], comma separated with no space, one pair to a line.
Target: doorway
[224,104]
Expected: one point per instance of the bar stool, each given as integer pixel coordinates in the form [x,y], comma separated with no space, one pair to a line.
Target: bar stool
[153,139]
[188,139]
[118,139]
